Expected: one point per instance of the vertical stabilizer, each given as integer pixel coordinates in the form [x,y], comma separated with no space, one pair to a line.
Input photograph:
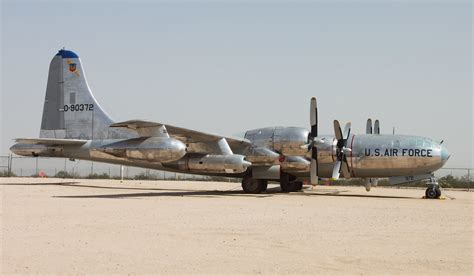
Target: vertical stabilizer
[70,109]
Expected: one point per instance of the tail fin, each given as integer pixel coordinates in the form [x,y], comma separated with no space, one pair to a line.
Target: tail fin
[70,110]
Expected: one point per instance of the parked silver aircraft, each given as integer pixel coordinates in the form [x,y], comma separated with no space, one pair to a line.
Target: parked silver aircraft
[75,126]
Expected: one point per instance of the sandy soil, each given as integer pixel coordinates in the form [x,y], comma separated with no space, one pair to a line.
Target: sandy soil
[101,226]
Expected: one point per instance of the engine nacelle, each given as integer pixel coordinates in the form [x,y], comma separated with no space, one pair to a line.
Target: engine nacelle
[261,155]
[234,163]
[289,141]
[153,149]
[295,163]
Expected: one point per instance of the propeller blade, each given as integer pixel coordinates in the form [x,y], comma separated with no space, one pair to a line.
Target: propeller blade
[347,131]
[345,168]
[314,172]
[377,127]
[335,170]
[368,127]
[367,184]
[313,117]
[374,181]
[337,130]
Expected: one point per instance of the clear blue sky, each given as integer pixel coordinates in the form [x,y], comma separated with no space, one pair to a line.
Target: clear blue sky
[225,66]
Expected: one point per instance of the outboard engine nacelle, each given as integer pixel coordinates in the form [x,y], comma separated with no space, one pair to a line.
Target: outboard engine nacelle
[233,163]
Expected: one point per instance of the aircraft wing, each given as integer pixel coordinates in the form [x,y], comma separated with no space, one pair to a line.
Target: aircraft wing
[183,134]
[51,141]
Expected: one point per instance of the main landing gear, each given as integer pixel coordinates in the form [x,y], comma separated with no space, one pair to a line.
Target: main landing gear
[253,186]
[433,191]
[288,184]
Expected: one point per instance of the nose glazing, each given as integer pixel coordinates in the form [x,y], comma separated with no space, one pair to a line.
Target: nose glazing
[444,154]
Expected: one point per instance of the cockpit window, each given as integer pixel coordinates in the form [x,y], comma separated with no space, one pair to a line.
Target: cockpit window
[419,142]
[427,144]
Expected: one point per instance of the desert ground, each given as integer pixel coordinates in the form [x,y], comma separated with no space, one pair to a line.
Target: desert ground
[105,226]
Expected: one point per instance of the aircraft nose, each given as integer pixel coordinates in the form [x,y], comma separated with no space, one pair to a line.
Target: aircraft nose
[444,154]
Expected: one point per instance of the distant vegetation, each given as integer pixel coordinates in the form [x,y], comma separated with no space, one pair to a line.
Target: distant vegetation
[64,174]
[5,174]
[450,181]
[97,176]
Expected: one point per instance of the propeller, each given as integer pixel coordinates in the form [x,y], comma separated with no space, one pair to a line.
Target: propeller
[370,182]
[313,141]
[341,166]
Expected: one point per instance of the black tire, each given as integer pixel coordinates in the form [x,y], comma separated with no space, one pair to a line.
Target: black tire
[288,187]
[253,186]
[299,186]
[264,185]
[432,193]
[288,183]
[438,192]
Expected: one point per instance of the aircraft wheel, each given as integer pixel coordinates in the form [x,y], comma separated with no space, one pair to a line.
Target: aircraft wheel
[433,192]
[264,185]
[288,183]
[253,186]
[291,186]
[299,186]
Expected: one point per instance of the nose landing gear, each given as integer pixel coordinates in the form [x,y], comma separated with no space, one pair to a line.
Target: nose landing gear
[433,191]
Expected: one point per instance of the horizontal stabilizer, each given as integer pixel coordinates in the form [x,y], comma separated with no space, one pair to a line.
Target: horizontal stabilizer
[51,141]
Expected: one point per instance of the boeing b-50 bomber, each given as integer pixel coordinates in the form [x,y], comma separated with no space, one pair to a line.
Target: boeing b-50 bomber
[75,126]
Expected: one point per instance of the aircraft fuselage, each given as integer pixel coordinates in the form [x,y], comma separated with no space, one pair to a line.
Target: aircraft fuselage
[371,155]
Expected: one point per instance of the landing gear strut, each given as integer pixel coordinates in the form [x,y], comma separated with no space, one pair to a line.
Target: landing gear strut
[288,183]
[253,186]
[433,191]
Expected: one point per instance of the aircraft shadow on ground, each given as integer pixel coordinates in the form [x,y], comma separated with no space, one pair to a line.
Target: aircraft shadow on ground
[162,192]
